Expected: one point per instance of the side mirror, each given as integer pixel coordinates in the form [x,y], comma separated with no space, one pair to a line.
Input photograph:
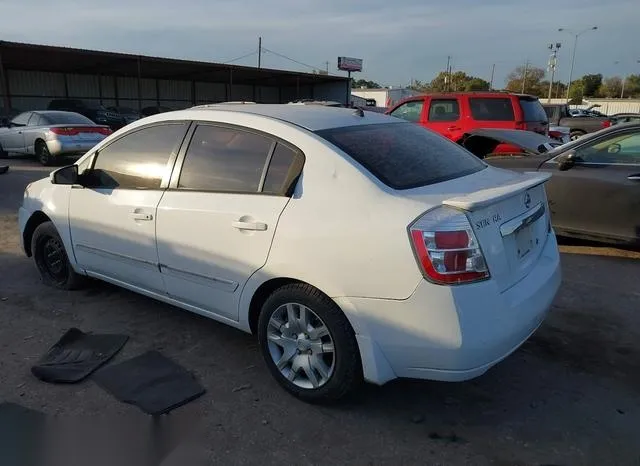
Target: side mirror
[566,161]
[65,175]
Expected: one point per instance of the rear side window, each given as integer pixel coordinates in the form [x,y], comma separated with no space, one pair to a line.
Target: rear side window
[224,159]
[491,109]
[284,169]
[444,110]
[402,155]
[533,110]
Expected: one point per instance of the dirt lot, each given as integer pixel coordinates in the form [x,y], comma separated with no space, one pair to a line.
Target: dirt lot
[569,396]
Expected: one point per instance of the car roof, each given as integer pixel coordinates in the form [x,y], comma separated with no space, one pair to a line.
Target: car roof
[310,117]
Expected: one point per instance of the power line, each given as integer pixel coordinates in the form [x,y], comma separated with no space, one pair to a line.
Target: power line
[291,59]
[240,58]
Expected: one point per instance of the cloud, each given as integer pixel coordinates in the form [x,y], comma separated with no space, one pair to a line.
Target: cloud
[398,40]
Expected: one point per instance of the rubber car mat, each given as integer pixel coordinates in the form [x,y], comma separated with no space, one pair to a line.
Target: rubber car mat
[21,435]
[151,381]
[76,355]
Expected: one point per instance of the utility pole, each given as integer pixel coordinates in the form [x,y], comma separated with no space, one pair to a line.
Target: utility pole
[447,75]
[553,62]
[493,70]
[259,51]
[327,65]
[524,75]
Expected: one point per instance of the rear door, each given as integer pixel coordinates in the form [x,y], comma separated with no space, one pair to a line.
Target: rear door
[217,221]
[600,194]
[443,116]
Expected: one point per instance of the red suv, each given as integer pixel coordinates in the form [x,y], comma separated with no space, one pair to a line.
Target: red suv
[453,114]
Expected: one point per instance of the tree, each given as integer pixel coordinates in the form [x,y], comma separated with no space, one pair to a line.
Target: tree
[576,93]
[632,86]
[590,84]
[532,77]
[356,83]
[459,81]
[611,87]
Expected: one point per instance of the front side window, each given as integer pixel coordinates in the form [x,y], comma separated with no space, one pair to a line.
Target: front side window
[224,159]
[444,110]
[403,155]
[619,149]
[409,111]
[138,160]
[491,109]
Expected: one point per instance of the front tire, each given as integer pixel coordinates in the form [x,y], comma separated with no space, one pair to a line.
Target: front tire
[51,259]
[43,154]
[308,344]
[576,135]
[3,154]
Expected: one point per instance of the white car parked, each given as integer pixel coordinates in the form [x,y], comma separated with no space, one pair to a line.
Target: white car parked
[354,244]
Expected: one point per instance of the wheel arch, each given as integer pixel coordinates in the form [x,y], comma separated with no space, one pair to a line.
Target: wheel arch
[36,219]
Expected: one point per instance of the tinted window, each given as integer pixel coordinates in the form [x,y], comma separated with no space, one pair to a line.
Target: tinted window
[549,111]
[622,148]
[22,119]
[224,159]
[533,110]
[444,110]
[284,169]
[404,156]
[409,111]
[137,160]
[491,109]
[66,118]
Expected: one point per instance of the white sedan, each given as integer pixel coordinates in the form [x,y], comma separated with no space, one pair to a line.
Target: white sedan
[354,244]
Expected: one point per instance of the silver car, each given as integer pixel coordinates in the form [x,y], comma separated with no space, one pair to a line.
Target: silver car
[50,134]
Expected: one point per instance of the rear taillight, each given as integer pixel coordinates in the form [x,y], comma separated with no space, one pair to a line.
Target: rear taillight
[105,131]
[606,123]
[521,125]
[446,247]
[64,131]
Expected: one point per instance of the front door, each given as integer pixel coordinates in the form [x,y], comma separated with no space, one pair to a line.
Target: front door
[13,140]
[600,194]
[113,217]
[217,221]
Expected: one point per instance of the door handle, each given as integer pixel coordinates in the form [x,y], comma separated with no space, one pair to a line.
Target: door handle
[453,128]
[253,226]
[141,216]
[634,177]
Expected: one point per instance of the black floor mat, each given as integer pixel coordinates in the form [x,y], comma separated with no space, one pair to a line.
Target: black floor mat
[21,435]
[152,382]
[77,355]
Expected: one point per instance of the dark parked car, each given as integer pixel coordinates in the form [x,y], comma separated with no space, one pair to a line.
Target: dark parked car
[594,192]
[148,111]
[92,110]
[129,114]
[559,115]
[625,118]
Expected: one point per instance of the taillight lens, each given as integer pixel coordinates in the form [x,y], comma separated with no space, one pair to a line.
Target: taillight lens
[446,247]
[606,123]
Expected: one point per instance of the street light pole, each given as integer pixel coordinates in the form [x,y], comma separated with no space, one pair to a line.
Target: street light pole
[573,55]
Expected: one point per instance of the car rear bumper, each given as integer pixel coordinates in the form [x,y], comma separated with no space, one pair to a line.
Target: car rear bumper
[452,333]
[60,147]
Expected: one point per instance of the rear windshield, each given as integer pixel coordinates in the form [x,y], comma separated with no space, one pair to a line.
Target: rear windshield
[533,110]
[403,155]
[491,109]
[66,118]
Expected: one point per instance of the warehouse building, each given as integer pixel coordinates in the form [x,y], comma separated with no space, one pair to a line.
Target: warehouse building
[32,75]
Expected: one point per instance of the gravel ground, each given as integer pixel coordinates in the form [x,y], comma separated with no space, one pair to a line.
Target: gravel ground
[569,396]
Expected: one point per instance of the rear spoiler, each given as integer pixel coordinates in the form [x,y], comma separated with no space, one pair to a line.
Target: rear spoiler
[485,197]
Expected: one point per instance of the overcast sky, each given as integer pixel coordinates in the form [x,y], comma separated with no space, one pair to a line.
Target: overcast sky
[398,40]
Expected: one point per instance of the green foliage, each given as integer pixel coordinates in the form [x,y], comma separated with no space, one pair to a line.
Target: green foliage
[533,81]
[611,87]
[590,84]
[357,83]
[576,93]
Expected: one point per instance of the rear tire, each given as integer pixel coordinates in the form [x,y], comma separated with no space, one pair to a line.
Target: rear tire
[51,259]
[3,154]
[576,134]
[309,345]
[43,154]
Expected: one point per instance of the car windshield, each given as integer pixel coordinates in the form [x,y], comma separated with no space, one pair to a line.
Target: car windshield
[66,118]
[403,155]
[533,110]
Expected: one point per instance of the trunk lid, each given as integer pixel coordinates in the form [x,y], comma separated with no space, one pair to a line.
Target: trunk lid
[509,215]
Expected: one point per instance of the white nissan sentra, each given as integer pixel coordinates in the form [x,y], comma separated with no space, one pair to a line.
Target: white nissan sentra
[353,244]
